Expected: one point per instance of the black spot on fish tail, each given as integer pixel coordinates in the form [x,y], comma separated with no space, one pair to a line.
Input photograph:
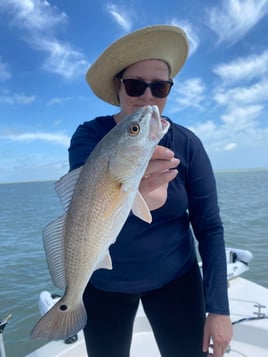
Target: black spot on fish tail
[63,307]
[61,322]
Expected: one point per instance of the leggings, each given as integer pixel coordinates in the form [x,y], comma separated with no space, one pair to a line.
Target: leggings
[176,313]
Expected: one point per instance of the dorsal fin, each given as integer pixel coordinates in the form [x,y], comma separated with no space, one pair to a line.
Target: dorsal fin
[65,186]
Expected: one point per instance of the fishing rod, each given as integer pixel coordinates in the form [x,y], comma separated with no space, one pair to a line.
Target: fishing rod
[3,324]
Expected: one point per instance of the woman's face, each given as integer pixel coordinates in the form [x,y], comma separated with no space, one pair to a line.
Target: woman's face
[148,71]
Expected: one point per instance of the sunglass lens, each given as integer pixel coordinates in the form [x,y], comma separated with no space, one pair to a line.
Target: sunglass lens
[134,87]
[160,89]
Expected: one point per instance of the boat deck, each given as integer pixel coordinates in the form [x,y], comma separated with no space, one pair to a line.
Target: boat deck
[249,311]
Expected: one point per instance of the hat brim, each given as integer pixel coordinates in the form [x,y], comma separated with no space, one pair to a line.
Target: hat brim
[164,42]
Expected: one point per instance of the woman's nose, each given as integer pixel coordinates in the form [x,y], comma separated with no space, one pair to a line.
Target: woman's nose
[147,93]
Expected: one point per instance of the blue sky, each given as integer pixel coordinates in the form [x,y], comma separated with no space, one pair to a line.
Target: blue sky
[47,46]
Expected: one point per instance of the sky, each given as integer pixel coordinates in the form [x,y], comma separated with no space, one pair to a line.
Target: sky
[47,46]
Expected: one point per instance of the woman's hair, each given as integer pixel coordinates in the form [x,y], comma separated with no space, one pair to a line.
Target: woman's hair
[119,75]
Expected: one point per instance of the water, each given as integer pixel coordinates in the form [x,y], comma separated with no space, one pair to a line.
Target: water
[27,207]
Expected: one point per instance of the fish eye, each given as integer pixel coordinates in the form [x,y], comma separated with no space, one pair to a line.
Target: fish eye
[134,129]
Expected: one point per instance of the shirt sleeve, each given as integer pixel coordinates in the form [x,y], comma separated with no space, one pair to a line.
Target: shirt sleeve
[207,226]
[85,138]
[198,178]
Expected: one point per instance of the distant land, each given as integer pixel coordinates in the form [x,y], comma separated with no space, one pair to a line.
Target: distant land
[255,169]
[233,170]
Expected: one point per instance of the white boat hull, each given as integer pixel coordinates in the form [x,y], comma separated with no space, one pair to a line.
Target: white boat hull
[249,314]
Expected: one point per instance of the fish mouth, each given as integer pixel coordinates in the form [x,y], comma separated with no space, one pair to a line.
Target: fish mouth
[159,125]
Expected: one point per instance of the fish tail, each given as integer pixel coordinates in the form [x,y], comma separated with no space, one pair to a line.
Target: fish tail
[60,322]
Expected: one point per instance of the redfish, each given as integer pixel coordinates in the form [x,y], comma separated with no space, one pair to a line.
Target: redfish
[97,199]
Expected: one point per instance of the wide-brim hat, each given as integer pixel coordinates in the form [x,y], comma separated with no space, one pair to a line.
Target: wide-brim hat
[164,42]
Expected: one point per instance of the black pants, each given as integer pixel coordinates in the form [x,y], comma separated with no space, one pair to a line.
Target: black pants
[176,313]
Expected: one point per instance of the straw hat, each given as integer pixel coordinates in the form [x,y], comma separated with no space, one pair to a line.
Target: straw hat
[164,42]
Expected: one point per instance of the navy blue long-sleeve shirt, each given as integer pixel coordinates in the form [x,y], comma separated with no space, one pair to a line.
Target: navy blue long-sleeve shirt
[147,256]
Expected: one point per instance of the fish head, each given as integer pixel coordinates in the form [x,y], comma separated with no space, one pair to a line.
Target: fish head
[137,135]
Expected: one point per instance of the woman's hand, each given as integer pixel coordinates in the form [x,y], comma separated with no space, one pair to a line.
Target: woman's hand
[154,184]
[217,334]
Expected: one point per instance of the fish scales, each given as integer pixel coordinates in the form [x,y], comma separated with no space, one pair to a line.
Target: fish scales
[97,199]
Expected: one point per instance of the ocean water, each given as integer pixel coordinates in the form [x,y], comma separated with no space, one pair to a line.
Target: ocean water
[25,208]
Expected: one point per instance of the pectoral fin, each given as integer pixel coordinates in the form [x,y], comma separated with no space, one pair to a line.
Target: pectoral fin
[106,263]
[115,202]
[140,208]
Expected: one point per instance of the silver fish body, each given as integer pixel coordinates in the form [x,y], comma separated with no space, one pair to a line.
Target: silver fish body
[97,199]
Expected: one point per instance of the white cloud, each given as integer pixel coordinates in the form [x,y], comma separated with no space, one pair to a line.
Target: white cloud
[230,147]
[5,73]
[256,93]
[189,93]
[60,139]
[243,69]
[33,14]
[203,128]
[39,20]
[192,36]
[242,117]
[243,107]
[34,166]
[235,18]
[227,137]
[16,99]
[61,58]
[58,100]
[238,127]
[120,16]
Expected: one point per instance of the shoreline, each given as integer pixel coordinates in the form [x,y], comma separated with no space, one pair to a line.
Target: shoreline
[216,171]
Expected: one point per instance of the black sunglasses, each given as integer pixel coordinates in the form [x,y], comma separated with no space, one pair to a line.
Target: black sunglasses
[136,87]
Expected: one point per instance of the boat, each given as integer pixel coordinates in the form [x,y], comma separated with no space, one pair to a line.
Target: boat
[249,315]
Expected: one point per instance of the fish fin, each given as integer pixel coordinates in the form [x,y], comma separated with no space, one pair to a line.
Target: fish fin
[115,202]
[106,263]
[53,239]
[141,209]
[65,186]
[61,321]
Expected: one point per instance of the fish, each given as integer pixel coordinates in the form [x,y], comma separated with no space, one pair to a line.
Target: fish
[97,199]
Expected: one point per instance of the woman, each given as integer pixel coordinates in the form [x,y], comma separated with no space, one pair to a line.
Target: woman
[157,263]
